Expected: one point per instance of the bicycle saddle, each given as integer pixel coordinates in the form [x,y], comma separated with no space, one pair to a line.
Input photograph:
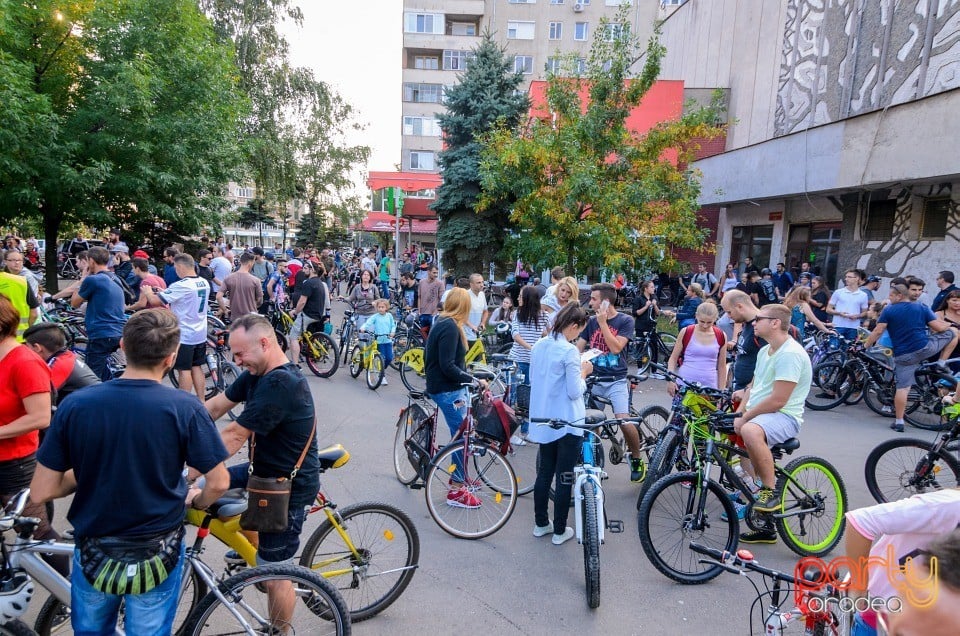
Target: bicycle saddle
[787,447]
[417,395]
[333,457]
[499,357]
[348,312]
[594,416]
[233,503]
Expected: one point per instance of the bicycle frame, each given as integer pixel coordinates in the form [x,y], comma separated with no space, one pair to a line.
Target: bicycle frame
[584,472]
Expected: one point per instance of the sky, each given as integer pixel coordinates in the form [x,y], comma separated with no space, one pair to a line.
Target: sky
[361,63]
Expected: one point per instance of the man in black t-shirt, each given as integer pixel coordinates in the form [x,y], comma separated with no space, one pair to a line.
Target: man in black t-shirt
[742,311]
[311,309]
[279,410]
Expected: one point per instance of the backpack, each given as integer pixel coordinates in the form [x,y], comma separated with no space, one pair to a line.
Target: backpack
[769,289]
[688,335]
[129,297]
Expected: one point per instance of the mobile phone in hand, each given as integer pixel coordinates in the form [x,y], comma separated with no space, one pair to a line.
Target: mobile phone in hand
[604,306]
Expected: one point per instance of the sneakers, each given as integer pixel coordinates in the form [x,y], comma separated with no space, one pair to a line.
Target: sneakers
[462,498]
[559,539]
[232,557]
[741,509]
[638,470]
[886,409]
[897,426]
[766,535]
[517,440]
[384,382]
[542,531]
[766,502]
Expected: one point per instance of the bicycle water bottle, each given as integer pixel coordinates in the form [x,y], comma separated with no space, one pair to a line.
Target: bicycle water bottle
[211,361]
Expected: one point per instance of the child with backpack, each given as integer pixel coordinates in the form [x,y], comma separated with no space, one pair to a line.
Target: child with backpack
[700,354]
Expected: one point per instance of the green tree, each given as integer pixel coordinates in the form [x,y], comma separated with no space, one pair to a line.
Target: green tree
[255,214]
[129,110]
[484,97]
[586,190]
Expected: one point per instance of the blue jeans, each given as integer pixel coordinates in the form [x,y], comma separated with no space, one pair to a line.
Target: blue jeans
[386,350]
[453,405]
[847,332]
[523,369]
[94,613]
[385,289]
[98,350]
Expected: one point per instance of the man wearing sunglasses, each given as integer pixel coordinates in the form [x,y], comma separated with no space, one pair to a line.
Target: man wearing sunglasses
[772,406]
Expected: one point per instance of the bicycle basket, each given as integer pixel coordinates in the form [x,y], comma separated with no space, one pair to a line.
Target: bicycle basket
[418,447]
[523,397]
[495,420]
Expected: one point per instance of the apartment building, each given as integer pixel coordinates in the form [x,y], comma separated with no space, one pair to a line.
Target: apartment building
[438,36]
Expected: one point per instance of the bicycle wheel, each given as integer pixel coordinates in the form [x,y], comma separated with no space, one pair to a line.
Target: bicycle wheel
[878,399]
[375,371]
[320,353]
[662,461]
[667,342]
[409,421]
[488,477]
[925,410]
[356,361]
[653,420]
[832,384]
[591,543]
[246,595]
[641,355]
[813,501]
[370,558]
[403,341]
[229,372]
[496,386]
[677,511]
[412,379]
[15,628]
[346,339]
[281,339]
[903,467]
[523,460]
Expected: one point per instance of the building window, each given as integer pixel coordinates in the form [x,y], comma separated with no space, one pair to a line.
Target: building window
[580,30]
[581,65]
[520,30]
[753,241]
[422,126]
[523,64]
[424,23]
[427,193]
[522,1]
[423,93]
[421,160]
[556,1]
[614,32]
[817,244]
[463,28]
[877,223]
[245,193]
[615,3]
[554,64]
[556,30]
[456,60]
[426,62]
[933,225]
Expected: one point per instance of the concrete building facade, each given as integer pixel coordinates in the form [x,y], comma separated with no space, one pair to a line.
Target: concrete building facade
[840,142]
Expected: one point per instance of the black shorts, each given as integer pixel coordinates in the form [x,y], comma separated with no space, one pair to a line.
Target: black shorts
[189,356]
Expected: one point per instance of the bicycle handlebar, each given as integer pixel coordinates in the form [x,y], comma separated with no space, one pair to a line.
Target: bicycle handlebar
[582,423]
[742,559]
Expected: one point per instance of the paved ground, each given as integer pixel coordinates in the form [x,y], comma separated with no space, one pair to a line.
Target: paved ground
[512,583]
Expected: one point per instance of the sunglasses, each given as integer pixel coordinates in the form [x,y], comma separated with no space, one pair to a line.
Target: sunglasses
[759,318]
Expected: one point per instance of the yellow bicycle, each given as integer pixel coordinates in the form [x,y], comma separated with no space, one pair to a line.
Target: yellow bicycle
[317,349]
[413,367]
[366,356]
[369,550]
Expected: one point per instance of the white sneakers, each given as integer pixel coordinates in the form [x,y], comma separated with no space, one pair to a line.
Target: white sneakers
[563,538]
[542,531]
[516,440]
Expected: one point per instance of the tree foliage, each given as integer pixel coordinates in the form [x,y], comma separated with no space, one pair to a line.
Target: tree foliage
[120,110]
[586,190]
[484,97]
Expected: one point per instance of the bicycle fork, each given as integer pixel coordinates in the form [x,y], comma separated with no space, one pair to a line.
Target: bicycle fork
[581,476]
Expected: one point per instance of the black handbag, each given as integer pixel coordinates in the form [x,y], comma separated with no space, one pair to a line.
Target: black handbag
[268,498]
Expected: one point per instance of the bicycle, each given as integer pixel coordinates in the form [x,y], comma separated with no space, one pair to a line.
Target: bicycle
[366,357]
[816,610]
[317,348]
[218,371]
[641,348]
[369,550]
[471,463]
[590,514]
[810,492]
[902,467]
[413,368]
[408,335]
[347,332]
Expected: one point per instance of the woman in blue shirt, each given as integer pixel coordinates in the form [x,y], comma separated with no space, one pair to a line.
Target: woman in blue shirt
[556,392]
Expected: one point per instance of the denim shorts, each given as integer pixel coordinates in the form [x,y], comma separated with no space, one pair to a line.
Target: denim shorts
[277,547]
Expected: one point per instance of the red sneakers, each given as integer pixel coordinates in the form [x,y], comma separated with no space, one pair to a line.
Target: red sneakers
[462,498]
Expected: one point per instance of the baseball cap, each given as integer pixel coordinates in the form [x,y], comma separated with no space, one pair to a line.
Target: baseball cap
[140,254]
[119,248]
[873,279]
[269,257]
[257,250]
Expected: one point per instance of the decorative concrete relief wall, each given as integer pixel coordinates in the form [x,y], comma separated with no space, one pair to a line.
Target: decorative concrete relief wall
[842,58]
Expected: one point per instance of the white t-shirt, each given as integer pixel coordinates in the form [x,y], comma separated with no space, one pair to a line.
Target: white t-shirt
[848,302]
[478,305]
[905,527]
[369,264]
[187,299]
[221,269]
[790,364]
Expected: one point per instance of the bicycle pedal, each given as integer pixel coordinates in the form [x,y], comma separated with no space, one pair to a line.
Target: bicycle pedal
[416,486]
[615,526]
[567,479]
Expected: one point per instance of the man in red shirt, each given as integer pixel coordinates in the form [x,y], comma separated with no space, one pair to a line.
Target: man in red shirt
[141,267]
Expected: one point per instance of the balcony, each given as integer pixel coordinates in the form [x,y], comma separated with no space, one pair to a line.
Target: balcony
[437,41]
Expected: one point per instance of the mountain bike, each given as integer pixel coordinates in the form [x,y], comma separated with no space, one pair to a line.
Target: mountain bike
[650,347]
[218,371]
[816,602]
[366,357]
[317,348]
[691,505]
[369,551]
[903,467]
[590,514]
[347,333]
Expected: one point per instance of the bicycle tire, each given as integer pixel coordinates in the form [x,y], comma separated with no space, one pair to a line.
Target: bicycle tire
[229,372]
[797,530]
[411,378]
[875,400]
[909,473]
[356,361]
[667,342]
[669,505]
[327,360]
[925,409]
[496,503]
[831,385]
[641,355]
[523,460]
[662,461]
[375,371]
[654,419]
[403,341]
[281,339]
[408,422]
[319,598]
[16,628]
[388,546]
[591,544]
[346,338]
